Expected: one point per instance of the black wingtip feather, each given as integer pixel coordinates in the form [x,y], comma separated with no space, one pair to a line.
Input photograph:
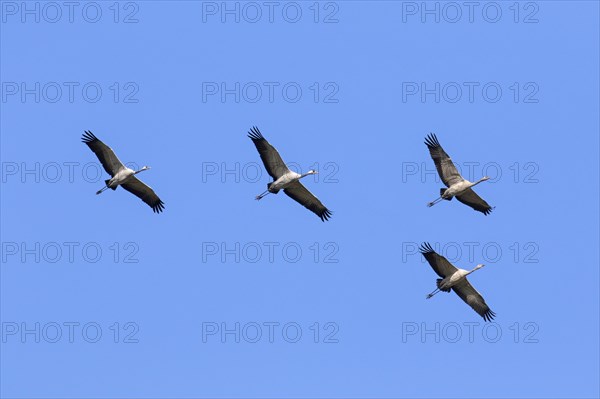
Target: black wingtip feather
[325,215]
[88,137]
[426,248]
[255,134]
[431,141]
[489,315]
[488,210]
[158,206]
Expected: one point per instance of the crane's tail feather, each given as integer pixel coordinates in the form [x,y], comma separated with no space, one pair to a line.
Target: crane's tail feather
[112,188]
[438,282]
[442,191]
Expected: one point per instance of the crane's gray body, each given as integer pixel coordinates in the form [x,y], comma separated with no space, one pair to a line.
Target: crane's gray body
[456,189]
[283,181]
[120,178]
[446,283]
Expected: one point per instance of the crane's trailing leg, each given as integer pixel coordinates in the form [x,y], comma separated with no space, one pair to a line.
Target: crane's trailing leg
[433,293]
[262,195]
[107,186]
[441,197]
[432,203]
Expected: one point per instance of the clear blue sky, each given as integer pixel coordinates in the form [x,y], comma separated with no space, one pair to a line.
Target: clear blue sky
[369,74]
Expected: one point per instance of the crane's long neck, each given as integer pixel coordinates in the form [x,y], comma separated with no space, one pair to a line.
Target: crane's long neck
[138,171]
[479,181]
[471,271]
[306,174]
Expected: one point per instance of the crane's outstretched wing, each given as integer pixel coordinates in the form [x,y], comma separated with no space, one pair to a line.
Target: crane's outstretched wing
[467,293]
[269,155]
[444,165]
[470,197]
[141,190]
[105,154]
[438,263]
[300,194]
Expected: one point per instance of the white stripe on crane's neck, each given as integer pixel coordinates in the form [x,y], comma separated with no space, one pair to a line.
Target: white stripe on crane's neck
[141,170]
[310,172]
[484,178]
[479,266]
